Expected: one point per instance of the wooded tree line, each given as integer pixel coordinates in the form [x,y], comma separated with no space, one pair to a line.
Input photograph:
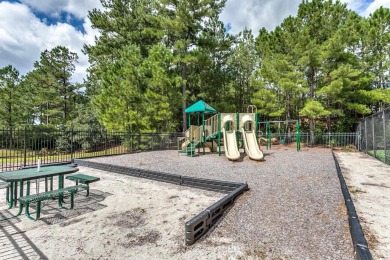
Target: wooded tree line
[326,66]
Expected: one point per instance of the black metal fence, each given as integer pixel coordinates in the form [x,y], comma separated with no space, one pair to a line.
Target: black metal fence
[20,148]
[375,135]
[329,140]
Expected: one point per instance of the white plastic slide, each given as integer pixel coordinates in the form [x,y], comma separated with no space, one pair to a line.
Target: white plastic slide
[184,145]
[230,145]
[251,145]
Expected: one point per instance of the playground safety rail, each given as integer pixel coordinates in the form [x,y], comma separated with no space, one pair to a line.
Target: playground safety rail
[211,125]
[200,224]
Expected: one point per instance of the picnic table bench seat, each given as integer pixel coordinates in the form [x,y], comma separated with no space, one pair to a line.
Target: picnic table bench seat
[54,194]
[83,178]
[4,184]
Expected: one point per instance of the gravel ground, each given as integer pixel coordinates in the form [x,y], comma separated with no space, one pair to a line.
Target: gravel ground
[294,209]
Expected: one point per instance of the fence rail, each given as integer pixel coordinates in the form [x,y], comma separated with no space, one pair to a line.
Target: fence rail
[21,148]
[375,135]
[324,140]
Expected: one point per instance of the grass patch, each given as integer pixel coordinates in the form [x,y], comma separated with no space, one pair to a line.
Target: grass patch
[380,155]
[17,156]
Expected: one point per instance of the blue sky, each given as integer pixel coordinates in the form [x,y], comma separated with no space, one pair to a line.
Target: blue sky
[28,27]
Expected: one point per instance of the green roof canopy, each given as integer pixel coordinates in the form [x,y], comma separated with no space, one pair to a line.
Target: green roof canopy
[200,106]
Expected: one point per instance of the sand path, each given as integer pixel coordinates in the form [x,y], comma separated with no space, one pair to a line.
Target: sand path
[368,182]
[124,218]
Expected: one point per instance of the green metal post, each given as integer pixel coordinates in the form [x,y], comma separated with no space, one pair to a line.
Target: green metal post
[28,188]
[203,137]
[15,193]
[219,134]
[38,208]
[189,120]
[11,195]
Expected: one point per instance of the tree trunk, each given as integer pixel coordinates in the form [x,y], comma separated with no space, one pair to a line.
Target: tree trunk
[65,109]
[288,117]
[184,89]
[311,122]
[311,125]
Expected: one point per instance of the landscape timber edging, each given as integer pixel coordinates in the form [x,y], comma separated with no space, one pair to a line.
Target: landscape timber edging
[196,227]
[360,245]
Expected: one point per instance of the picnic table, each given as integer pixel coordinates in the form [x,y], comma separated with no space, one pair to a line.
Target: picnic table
[27,175]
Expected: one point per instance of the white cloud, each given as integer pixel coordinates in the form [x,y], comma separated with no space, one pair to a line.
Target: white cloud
[23,37]
[79,8]
[255,14]
[375,5]
[355,5]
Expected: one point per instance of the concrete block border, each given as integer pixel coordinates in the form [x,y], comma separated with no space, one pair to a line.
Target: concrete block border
[201,223]
[360,245]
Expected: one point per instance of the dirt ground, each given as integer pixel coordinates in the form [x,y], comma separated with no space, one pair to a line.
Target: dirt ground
[132,218]
[368,182]
[124,218]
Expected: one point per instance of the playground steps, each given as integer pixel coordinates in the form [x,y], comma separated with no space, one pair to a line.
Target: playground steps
[212,145]
[211,137]
[190,150]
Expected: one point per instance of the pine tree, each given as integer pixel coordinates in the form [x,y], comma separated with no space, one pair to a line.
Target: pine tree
[183,22]
[51,87]
[11,98]
[118,103]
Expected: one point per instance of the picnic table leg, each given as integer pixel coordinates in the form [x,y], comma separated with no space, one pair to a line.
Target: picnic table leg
[60,186]
[87,190]
[28,188]
[11,200]
[7,195]
[71,201]
[46,186]
[15,194]
[51,183]
[38,211]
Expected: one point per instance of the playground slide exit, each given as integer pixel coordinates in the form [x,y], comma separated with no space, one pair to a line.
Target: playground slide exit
[251,145]
[230,145]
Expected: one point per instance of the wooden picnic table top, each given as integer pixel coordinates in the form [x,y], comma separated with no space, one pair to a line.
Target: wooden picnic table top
[32,173]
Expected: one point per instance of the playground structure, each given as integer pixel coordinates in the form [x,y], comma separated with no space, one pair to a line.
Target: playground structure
[230,130]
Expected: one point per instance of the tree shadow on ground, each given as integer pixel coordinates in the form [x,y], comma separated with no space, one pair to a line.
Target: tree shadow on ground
[14,243]
[51,214]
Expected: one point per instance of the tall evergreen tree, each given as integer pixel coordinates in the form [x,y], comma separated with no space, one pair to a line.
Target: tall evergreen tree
[51,87]
[184,21]
[11,98]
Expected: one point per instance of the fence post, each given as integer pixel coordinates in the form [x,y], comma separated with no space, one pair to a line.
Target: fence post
[25,148]
[360,137]
[105,142]
[365,133]
[373,135]
[384,134]
[71,145]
